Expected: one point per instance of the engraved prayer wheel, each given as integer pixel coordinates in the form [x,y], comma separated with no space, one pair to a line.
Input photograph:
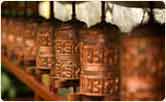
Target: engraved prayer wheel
[45,48]
[142,63]
[19,43]
[99,61]
[12,29]
[67,63]
[30,43]
[45,54]
[44,58]
[4,25]
[13,33]
[30,33]
[67,50]
[10,37]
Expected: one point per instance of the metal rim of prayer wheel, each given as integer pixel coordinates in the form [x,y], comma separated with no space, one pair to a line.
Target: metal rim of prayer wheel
[99,60]
[142,62]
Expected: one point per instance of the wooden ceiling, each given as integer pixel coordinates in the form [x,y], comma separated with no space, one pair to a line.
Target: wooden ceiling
[32,6]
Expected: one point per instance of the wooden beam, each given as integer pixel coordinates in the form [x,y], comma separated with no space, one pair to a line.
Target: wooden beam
[29,80]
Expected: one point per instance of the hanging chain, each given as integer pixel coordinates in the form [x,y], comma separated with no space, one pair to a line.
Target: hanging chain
[73,10]
[103,11]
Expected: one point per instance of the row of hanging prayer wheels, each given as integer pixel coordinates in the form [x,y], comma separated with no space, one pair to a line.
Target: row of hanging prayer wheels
[129,67]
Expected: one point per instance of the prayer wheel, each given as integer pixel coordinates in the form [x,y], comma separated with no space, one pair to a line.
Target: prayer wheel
[19,43]
[4,24]
[30,33]
[7,21]
[142,63]
[45,54]
[10,37]
[45,51]
[30,43]
[67,50]
[66,41]
[44,58]
[99,60]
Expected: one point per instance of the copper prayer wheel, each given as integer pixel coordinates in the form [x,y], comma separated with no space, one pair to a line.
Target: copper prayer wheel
[11,30]
[67,50]
[10,37]
[30,43]
[26,34]
[142,63]
[99,60]
[19,43]
[67,63]
[44,58]
[45,53]
[29,36]
[4,25]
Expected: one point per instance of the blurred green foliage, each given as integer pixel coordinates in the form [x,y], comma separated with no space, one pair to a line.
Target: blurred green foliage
[12,87]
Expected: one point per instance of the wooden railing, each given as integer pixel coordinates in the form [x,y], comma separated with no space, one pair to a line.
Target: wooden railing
[29,80]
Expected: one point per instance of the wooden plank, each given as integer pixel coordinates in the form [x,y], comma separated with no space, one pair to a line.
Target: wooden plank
[29,80]
[140,4]
[74,97]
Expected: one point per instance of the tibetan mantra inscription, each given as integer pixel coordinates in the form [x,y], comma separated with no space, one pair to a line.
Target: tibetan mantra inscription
[66,53]
[45,47]
[98,57]
[142,63]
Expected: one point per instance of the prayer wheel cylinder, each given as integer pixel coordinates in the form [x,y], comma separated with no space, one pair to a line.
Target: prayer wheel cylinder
[10,37]
[44,58]
[67,64]
[45,55]
[142,63]
[19,44]
[99,61]
[30,44]
[4,25]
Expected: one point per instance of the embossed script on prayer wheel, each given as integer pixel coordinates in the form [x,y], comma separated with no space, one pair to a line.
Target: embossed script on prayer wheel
[67,50]
[142,63]
[44,58]
[99,59]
